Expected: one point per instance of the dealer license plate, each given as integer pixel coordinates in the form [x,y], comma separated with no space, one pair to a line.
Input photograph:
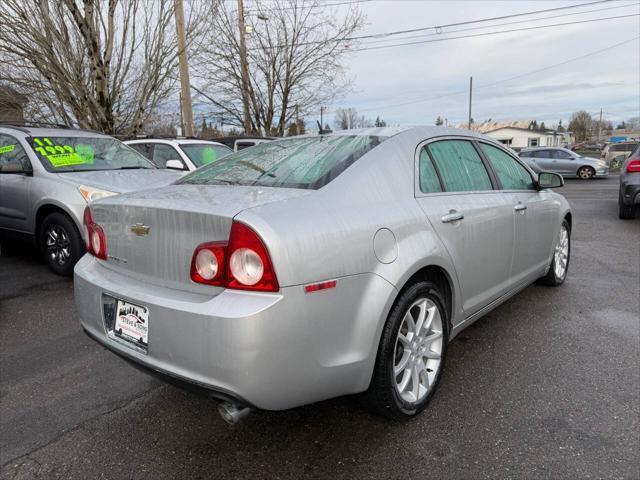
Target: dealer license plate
[132,323]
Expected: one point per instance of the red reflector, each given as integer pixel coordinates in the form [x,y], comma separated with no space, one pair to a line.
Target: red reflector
[314,287]
[633,166]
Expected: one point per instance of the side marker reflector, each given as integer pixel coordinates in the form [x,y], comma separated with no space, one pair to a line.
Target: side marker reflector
[315,287]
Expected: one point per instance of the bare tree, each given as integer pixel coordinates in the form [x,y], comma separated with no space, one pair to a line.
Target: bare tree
[580,124]
[100,64]
[295,50]
[346,118]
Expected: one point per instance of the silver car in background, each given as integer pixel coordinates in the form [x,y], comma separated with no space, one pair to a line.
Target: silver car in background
[318,266]
[564,161]
[49,175]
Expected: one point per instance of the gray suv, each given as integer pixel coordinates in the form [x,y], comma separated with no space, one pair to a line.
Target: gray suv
[49,175]
[563,161]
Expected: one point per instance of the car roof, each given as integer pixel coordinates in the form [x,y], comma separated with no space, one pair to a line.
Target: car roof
[424,132]
[52,131]
[179,141]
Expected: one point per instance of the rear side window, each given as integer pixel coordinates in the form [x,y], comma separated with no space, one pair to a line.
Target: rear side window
[13,158]
[143,148]
[429,182]
[307,162]
[460,166]
[511,174]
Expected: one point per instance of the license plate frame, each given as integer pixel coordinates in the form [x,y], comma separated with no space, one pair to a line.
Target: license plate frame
[131,324]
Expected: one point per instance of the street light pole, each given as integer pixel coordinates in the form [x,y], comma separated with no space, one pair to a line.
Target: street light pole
[185,86]
[244,69]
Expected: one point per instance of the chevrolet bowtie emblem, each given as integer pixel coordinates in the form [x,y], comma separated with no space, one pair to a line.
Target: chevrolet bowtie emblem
[140,229]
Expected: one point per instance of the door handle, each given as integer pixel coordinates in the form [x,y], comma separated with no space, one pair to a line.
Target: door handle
[452,216]
[520,207]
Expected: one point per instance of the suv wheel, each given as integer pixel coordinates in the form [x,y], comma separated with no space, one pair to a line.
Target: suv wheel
[411,354]
[60,243]
[625,212]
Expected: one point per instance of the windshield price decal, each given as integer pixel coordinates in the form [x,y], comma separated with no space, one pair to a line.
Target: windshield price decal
[7,149]
[61,155]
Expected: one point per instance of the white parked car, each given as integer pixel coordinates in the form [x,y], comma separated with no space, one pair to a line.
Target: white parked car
[180,153]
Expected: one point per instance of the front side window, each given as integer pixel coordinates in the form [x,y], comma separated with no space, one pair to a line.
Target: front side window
[13,158]
[162,153]
[429,182]
[543,154]
[562,155]
[81,154]
[460,166]
[307,162]
[511,174]
[204,153]
[143,148]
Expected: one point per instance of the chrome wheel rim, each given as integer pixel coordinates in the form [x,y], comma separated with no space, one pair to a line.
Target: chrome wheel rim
[418,350]
[561,255]
[57,245]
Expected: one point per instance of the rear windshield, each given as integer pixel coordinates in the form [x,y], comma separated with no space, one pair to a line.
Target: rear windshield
[308,162]
[204,153]
[81,154]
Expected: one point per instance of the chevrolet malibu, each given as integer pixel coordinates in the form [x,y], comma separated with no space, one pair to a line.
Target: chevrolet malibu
[319,266]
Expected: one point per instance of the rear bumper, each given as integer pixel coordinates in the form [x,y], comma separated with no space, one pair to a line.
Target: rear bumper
[270,351]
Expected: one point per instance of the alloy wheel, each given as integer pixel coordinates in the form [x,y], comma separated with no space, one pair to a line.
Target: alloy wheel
[585,173]
[418,350]
[57,244]
[561,255]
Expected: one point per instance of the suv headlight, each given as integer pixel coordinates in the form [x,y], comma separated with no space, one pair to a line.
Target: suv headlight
[91,194]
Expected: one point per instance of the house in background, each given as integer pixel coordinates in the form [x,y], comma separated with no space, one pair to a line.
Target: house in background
[520,134]
[11,104]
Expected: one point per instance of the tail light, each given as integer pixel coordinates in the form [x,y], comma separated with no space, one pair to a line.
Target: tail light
[96,240]
[243,263]
[633,166]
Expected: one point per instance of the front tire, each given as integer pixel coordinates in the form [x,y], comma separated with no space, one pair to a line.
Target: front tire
[586,173]
[60,243]
[411,353]
[560,261]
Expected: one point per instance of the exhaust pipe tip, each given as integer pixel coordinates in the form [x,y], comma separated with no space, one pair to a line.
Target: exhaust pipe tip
[231,413]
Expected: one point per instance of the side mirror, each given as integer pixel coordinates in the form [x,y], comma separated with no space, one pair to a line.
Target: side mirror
[174,165]
[549,180]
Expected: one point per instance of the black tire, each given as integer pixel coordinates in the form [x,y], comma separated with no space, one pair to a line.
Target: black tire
[586,173]
[626,212]
[382,396]
[552,279]
[63,255]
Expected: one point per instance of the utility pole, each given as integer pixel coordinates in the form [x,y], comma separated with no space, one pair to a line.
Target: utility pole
[244,69]
[185,98]
[599,126]
[297,120]
[470,97]
[321,122]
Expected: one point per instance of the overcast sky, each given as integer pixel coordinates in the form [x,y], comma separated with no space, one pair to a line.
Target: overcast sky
[413,75]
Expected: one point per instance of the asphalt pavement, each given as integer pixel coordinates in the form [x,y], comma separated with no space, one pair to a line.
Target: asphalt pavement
[545,386]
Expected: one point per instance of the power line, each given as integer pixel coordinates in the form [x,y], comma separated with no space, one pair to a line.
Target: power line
[499,82]
[439,28]
[496,33]
[507,23]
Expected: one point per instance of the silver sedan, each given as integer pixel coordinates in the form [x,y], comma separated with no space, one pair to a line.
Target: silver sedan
[318,266]
[564,162]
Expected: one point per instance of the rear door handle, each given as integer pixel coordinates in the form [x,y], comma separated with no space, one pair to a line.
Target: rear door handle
[520,207]
[452,216]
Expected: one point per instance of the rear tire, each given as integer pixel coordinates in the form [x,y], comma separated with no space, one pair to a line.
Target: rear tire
[411,354]
[60,243]
[586,173]
[626,212]
[560,261]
